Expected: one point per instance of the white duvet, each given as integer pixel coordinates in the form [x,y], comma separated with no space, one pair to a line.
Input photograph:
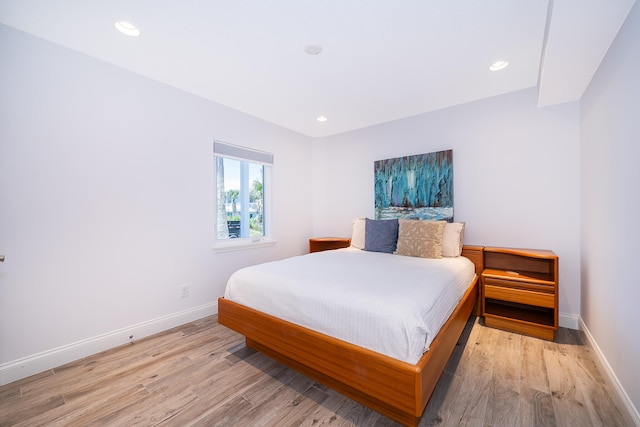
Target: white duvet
[391,304]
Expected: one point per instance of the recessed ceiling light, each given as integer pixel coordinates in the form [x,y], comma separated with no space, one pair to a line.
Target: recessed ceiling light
[321,119]
[127,28]
[313,49]
[499,65]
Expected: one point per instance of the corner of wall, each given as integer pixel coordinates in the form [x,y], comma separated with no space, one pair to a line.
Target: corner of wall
[621,398]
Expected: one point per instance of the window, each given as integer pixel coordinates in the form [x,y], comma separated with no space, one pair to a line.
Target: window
[242,190]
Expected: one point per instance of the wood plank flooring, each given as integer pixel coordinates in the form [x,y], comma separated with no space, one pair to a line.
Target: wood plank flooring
[201,374]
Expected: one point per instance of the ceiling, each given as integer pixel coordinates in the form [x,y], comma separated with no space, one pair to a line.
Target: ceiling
[381,60]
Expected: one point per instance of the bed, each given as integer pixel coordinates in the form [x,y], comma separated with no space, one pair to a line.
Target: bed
[395,385]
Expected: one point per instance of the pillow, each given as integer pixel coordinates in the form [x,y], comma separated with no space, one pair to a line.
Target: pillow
[420,238]
[453,239]
[381,235]
[357,234]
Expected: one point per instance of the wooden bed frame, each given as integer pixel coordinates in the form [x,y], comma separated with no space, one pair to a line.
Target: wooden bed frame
[397,389]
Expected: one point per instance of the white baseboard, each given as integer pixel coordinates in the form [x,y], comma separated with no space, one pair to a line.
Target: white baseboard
[569,321]
[632,411]
[34,364]
[50,359]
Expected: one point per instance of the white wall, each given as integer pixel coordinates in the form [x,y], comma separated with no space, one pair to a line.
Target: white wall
[106,198]
[106,193]
[516,176]
[610,202]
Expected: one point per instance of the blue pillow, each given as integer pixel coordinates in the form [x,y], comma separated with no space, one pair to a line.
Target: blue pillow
[380,235]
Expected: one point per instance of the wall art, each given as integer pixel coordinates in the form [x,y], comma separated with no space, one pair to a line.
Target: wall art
[415,187]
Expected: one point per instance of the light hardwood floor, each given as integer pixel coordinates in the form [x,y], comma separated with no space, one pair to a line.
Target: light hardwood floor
[201,374]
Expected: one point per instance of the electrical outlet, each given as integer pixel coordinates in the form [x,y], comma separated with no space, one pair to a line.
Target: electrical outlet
[184,291]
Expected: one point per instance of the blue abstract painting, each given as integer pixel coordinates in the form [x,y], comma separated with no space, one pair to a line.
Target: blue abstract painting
[415,187]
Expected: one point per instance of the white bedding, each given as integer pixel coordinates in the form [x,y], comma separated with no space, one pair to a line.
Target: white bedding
[391,304]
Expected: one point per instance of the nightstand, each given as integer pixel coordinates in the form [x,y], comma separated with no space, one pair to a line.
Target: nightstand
[320,244]
[519,291]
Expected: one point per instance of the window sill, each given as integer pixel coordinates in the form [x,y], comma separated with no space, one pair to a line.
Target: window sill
[241,245]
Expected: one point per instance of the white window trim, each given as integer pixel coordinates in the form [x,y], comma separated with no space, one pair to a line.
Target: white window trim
[242,244]
[246,154]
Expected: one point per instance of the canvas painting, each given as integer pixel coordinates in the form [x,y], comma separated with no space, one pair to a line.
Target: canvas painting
[415,187]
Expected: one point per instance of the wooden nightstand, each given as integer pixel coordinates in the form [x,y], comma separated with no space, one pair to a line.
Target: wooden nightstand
[328,243]
[519,291]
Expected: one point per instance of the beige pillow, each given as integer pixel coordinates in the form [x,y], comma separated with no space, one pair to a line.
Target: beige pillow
[453,239]
[420,238]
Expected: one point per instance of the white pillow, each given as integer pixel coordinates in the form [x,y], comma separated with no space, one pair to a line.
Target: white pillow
[453,239]
[358,232]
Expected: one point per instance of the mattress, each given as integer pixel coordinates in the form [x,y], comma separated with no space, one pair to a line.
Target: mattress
[391,304]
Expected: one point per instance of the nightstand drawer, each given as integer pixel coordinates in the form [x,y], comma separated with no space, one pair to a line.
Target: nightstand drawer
[519,282]
[521,296]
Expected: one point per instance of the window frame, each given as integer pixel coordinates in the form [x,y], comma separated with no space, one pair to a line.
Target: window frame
[244,154]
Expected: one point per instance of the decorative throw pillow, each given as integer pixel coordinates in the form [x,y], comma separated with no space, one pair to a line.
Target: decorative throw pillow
[453,239]
[420,238]
[357,234]
[381,235]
